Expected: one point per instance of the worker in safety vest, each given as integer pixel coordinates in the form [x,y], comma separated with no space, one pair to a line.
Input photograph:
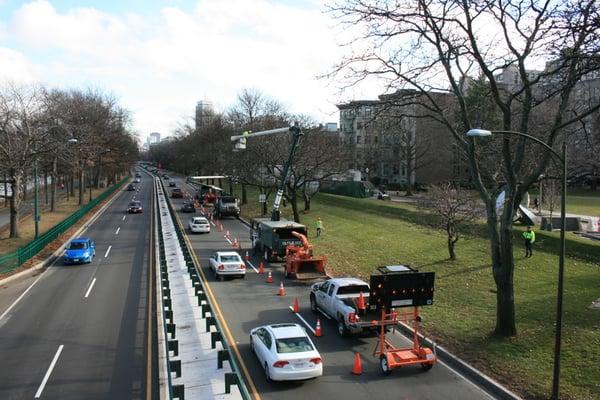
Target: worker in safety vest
[319,225]
[529,236]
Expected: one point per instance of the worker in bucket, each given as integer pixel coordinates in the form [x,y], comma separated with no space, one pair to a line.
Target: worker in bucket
[319,225]
[529,236]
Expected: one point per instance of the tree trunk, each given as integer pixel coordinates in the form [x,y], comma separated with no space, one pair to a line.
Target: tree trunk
[53,186]
[46,187]
[81,187]
[244,195]
[451,252]
[294,202]
[503,271]
[15,203]
[72,179]
[306,202]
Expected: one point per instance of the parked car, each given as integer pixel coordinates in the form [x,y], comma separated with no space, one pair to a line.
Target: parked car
[81,250]
[199,225]
[135,207]
[177,193]
[188,207]
[131,187]
[166,177]
[172,184]
[227,263]
[383,196]
[286,352]
[138,180]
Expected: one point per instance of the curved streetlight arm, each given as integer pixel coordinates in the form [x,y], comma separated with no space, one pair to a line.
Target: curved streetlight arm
[484,132]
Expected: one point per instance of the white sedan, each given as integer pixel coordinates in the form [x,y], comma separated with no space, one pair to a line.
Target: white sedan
[227,263]
[286,352]
[199,225]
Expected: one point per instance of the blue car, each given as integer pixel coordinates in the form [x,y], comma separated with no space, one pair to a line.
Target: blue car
[81,250]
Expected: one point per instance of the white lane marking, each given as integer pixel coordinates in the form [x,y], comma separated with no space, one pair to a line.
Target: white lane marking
[19,298]
[52,364]
[107,251]
[90,288]
[253,267]
[124,216]
[226,238]
[118,229]
[303,320]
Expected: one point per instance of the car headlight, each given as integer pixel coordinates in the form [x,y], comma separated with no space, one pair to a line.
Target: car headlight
[86,254]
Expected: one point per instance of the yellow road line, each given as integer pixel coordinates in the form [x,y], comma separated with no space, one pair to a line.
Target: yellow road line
[228,335]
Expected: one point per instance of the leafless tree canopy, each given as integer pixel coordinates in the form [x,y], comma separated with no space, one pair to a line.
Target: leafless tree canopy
[508,65]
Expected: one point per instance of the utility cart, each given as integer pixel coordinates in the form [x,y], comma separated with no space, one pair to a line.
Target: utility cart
[400,286]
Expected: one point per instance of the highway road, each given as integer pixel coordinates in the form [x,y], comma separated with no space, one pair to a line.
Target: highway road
[247,303]
[81,331]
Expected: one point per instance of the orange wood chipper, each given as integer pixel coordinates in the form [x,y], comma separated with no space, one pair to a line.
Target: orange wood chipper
[300,262]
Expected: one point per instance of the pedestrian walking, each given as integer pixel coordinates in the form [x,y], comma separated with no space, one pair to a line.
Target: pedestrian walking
[319,225]
[529,236]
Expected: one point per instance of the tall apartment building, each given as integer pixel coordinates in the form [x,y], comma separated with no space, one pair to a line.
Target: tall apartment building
[394,143]
[204,114]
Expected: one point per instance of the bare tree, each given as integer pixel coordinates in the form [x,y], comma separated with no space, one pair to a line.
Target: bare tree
[454,209]
[438,46]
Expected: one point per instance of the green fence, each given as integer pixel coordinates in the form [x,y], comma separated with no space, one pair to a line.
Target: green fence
[10,261]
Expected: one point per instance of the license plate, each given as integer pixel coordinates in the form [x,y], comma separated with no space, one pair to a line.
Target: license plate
[76,259]
[300,365]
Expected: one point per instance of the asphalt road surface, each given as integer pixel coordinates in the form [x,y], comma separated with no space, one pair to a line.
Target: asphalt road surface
[80,332]
[250,302]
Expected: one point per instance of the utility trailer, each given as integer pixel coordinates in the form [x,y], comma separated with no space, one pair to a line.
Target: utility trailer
[271,238]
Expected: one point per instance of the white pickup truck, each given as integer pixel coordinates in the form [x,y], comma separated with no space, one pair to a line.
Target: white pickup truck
[339,298]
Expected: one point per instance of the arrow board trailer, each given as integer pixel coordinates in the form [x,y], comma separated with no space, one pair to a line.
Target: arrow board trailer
[400,286]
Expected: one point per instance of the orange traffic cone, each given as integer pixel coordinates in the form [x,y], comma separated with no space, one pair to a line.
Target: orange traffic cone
[361,303]
[296,308]
[357,368]
[269,278]
[261,268]
[318,331]
[281,289]
[247,256]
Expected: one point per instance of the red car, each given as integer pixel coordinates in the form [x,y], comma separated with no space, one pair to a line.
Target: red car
[176,193]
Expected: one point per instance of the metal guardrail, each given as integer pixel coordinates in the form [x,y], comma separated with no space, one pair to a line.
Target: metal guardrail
[233,378]
[15,259]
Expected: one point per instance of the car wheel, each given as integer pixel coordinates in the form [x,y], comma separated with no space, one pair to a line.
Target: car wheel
[267,373]
[313,304]
[383,364]
[426,367]
[342,329]
[243,276]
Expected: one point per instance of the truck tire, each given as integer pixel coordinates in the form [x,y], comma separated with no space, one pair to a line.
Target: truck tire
[313,304]
[342,328]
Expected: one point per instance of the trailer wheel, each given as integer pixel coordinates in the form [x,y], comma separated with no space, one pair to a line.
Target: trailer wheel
[313,304]
[383,364]
[426,366]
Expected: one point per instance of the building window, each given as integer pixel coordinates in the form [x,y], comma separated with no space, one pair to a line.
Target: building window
[358,139]
[359,125]
[396,169]
[368,111]
[403,170]
[375,139]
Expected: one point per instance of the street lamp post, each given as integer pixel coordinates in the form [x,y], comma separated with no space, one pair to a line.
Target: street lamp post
[36,211]
[561,260]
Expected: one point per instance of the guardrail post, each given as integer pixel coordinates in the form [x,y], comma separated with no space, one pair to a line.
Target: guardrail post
[171,327]
[214,338]
[175,366]
[173,345]
[178,392]
[205,308]
[231,379]
[210,321]
[222,355]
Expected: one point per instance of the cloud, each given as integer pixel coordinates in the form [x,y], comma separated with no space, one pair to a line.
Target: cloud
[16,67]
[160,64]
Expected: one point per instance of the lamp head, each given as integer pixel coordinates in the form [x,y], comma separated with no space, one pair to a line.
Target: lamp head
[476,132]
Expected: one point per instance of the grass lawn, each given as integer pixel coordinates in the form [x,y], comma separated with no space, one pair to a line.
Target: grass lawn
[579,201]
[361,234]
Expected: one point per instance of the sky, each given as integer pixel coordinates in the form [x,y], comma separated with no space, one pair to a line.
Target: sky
[159,57]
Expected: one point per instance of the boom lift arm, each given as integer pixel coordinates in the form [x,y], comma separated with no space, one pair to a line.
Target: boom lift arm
[240,144]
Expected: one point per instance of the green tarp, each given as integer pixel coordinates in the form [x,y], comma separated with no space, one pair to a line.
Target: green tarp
[348,188]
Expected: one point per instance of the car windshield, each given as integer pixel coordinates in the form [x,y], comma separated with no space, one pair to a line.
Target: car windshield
[231,258]
[293,345]
[78,246]
[134,204]
[353,289]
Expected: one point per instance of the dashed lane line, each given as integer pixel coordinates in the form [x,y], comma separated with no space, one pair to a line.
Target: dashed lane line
[90,288]
[47,376]
[107,251]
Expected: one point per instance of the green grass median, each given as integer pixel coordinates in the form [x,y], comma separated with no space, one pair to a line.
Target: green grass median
[361,234]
